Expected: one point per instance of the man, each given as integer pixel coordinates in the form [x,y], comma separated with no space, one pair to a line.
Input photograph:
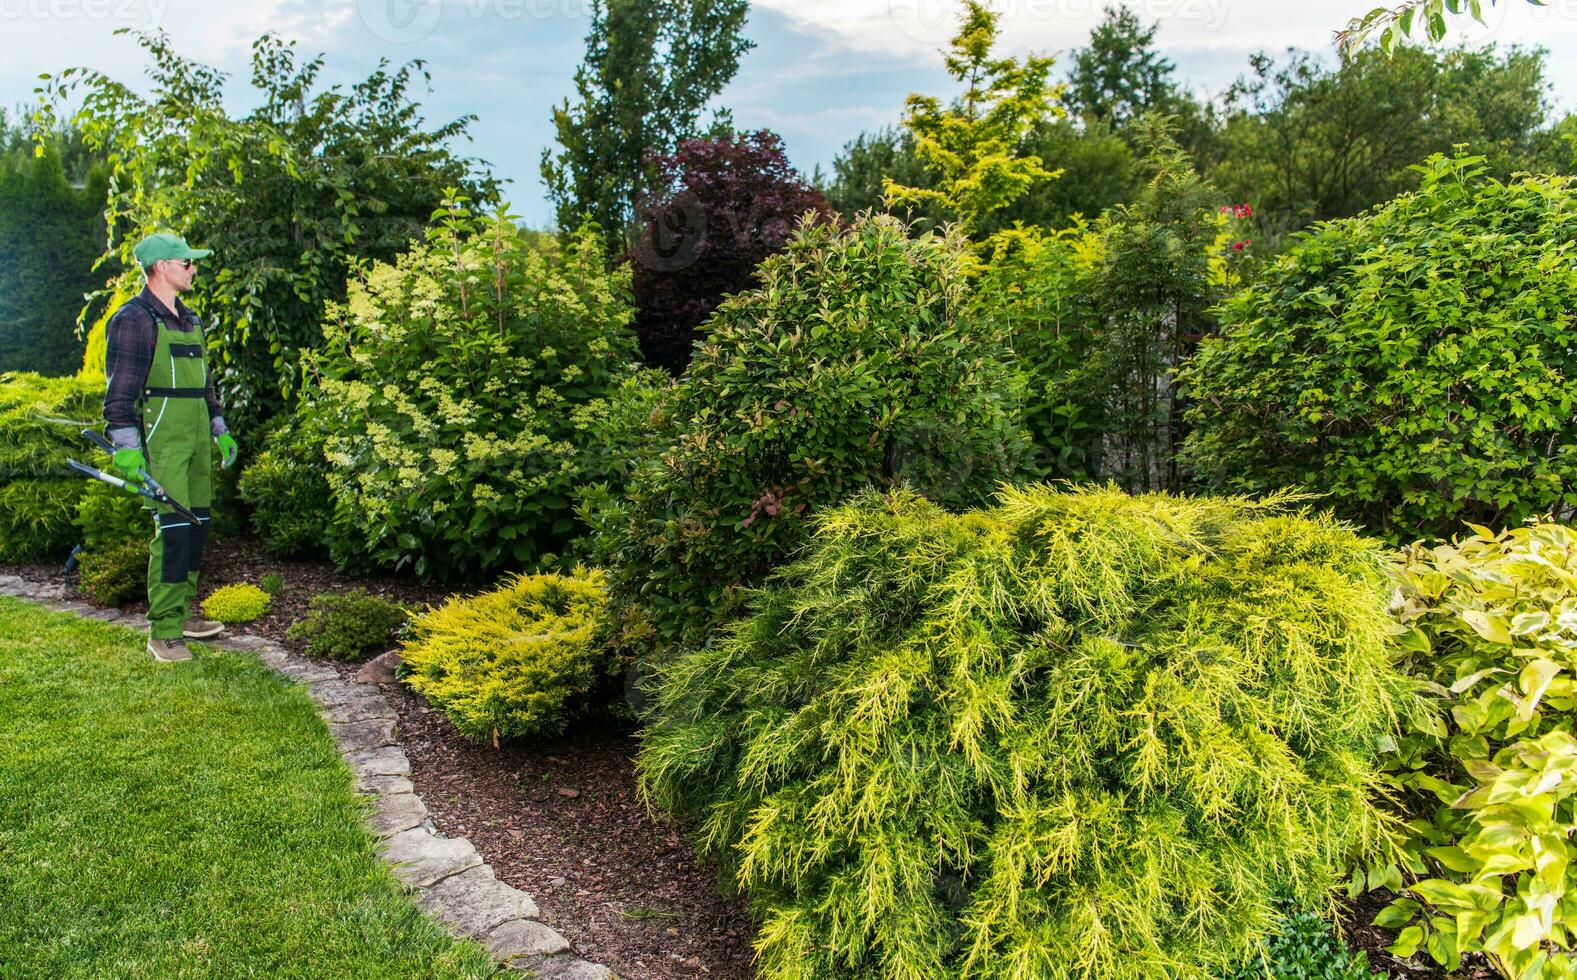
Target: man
[161,410]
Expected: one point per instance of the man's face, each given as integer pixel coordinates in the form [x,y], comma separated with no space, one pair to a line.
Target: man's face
[179,273]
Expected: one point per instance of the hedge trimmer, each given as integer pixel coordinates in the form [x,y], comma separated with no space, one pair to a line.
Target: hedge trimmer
[148,488]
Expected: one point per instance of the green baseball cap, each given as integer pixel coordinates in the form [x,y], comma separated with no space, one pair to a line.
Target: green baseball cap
[165,246]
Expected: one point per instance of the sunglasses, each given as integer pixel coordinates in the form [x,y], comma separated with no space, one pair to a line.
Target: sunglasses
[184,263]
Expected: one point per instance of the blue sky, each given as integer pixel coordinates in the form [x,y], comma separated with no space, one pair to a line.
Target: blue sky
[822,70]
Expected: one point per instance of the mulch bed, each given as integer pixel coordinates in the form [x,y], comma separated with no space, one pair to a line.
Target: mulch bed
[560,819]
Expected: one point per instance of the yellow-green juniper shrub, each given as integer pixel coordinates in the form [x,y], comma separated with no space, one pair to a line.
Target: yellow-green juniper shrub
[1491,776]
[1076,734]
[519,660]
[238,603]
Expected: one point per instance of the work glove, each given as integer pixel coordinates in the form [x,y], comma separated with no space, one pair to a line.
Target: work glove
[227,449]
[129,461]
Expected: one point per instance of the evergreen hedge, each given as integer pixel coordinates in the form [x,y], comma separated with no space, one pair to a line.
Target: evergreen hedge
[1079,734]
[42,419]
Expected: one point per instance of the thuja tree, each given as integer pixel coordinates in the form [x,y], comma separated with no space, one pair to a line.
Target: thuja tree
[720,207]
[974,145]
[651,67]
[1078,734]
[855,362]
[1418,363]
[288,196]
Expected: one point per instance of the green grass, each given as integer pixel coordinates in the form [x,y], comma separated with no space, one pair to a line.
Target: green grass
[184,820]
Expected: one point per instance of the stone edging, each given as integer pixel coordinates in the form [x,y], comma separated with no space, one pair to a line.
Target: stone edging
[448,875]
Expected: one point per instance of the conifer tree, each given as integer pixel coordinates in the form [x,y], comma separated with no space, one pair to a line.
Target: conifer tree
[975,146]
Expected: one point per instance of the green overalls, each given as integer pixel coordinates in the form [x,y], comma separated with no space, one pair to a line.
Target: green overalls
[175,434]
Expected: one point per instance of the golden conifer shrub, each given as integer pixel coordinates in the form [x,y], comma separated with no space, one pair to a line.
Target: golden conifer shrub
[519,660]
[1076,734]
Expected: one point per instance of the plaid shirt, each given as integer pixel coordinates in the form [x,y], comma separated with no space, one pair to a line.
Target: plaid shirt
[129,341]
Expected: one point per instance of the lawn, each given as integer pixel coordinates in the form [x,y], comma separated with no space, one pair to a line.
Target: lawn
[184,820]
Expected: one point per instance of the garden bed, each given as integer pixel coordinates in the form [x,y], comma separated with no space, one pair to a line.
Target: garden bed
[561,818]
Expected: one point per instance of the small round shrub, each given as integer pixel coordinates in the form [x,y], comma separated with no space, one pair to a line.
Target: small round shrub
[347,625]
[1078,734]
[272,583]
[855,363]
[286,489]
[42,419]
[239,603]
[1416,363]
[519,660]
[114,573]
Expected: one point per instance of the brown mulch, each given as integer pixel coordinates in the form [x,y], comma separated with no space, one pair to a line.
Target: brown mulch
[560,818]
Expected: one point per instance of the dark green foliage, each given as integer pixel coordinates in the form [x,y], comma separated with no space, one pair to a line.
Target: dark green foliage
[651,67]
[41,419]
[50,234]
[286,490]
[1301,139]
[346,625]
[1120,76]
[1418,363]
[290,196]
[1079,734]
[115,573]
[272,583]
[1304,949]
[855,363]
[447,396]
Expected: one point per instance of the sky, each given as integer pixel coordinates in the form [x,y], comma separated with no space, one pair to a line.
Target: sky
[822,71]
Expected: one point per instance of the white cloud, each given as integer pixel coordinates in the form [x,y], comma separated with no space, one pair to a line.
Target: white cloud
[916,29]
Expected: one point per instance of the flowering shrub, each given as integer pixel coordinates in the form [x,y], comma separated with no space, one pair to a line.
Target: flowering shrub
[239,603]
[519,660]
[447,392]
[1492,776]
[854,363]
[1417,363]
[1077,734]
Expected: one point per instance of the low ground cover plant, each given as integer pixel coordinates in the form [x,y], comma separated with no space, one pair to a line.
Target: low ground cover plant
[347,625]
[522,659]
[1418,362]
[1076,734]
[1491,775]
[238,603]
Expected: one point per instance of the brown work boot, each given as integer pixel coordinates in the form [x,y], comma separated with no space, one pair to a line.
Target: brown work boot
[168,650]
[198,628]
